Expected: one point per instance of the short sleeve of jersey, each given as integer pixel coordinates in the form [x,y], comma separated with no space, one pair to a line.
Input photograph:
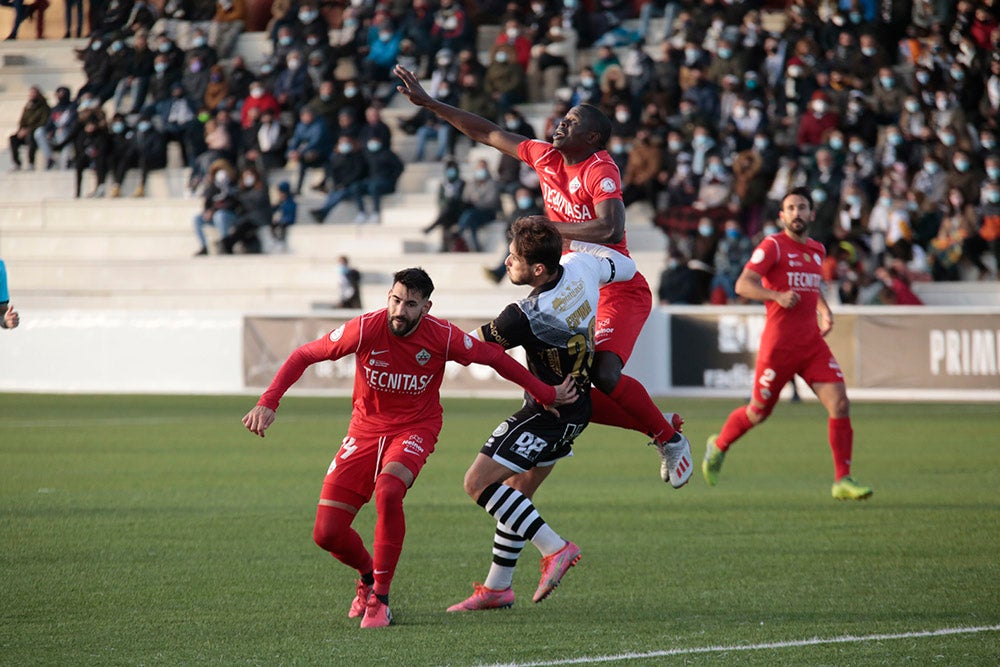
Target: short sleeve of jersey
[530,150]
[595,268]
[508,330]
[602,178]
[462,347]
[343,340]
[764,257]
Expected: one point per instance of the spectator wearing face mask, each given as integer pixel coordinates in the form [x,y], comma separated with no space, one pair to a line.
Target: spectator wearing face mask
[293,87]
[253,214]
[819,120]
[347,171]
[678,283]
[91,152]
[261,99]
[482,198]
[55,135]
[641,177]
[227,25]
[219,209]
[525,205]
[310,144]
[505,80]
[451,203]
[266,143]
[383,51]
[384,170]
[431,128]
[146,151]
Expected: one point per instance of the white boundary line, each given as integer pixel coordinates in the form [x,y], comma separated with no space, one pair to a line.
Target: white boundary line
[815,641]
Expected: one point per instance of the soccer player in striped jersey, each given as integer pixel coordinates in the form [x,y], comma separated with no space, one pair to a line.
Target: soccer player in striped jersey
[555,326]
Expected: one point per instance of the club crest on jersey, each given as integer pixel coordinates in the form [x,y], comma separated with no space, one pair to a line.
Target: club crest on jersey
[467,341]
[575,185]
[816,259]
[608,185]
[423,356]
[757,257]
[807,258]
[337,333]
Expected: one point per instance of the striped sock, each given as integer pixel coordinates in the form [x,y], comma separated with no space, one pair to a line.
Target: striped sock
[506,550]
[518,515]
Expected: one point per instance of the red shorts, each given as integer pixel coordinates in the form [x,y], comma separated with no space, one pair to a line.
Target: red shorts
[621,313]
[776,366]
[351,476]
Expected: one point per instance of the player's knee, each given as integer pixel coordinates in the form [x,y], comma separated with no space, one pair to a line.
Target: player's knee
[331,527]
[472,485]
[841,407]
[606,372]
[758,413]
[389,491]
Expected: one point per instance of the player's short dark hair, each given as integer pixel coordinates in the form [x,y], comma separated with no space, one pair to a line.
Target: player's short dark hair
[538,241]
[801,191]
[596,121]
[416,280]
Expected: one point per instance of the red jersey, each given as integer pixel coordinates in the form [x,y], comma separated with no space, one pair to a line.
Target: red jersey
[786,264]
[572,192]
[397,380]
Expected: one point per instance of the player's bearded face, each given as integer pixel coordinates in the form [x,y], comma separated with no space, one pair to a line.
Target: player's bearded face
[517,269]
[796,214]
[406,307]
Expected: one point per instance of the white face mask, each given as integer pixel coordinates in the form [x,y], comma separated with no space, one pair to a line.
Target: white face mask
[221,179]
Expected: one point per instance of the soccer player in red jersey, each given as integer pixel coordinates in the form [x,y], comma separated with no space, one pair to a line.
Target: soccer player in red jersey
[400,354]
[784,272]
[581,187]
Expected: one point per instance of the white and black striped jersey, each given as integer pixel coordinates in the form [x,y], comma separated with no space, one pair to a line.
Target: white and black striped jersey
[555,323]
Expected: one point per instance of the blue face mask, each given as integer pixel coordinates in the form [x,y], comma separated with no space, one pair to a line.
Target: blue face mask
[706,230]
[931,167]
[725,54]
[374,146]
[768,230]
[452,173]
[144,126]
[733,234]
[482,174]
[524,203]
[962,165]
[819,196]
[993,197]
[993,173]
[117,127]
[836,143]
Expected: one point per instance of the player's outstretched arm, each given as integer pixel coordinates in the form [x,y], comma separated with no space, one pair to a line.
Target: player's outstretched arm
[618,268]
[475,127]
[258,419]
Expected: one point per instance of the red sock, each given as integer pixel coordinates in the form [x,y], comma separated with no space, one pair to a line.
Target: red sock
[606,411]
[841,444]
[737,423]
[332,531]
[634,402]
[390,528]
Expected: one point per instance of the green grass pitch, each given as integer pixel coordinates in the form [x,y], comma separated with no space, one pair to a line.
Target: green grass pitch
[156,531]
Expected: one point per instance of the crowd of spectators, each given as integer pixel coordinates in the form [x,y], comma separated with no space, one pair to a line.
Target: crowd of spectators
[887,111]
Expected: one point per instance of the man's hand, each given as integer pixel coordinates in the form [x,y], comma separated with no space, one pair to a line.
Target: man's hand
[411,87]
[787,299]
[11,319]
[825,322]
[565,393]
[258,419]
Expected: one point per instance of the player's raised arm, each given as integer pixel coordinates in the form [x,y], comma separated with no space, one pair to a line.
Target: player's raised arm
[475,127]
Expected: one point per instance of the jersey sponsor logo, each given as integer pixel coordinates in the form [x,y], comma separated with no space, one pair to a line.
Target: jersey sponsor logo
[575,185]
[793,255]
[529,445]
[467,341]
[803,280]
[757,257]
[404,383]
[412,445]
[372,361]
[563,209]
[568,295]
[608,185]
[337,333]
[423,356]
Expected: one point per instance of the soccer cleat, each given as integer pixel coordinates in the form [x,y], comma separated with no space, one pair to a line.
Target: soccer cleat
[675,454]
[553,567]
[846,488]
[360,601]
[485,598]
[377,614]
[711,465]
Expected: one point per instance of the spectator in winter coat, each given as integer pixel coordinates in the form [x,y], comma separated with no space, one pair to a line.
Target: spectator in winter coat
[33,116]
[310,144]
[347,171]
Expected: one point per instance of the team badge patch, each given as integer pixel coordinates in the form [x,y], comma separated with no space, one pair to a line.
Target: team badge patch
[608,185]
[816,259]
[575,185]
[337,333]
[500,430]
[807,258]
[423,356]
[467,341]
[757,257]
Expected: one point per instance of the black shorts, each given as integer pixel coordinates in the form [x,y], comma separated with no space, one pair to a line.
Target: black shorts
[532,438]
